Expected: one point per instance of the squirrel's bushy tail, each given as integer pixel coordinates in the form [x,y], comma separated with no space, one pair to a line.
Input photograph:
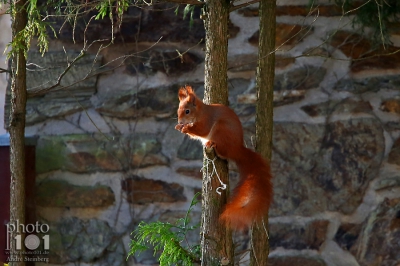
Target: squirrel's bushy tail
[253,195]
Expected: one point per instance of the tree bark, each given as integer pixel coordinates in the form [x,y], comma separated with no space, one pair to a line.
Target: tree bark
[17,130]
[264,114]
[216,238]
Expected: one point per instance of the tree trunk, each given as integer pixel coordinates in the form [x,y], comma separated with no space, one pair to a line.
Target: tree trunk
[17,130]
[264,114]
[216,238]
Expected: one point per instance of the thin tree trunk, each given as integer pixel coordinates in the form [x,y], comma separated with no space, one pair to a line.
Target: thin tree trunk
[264,114]
[216,239]
[17,130]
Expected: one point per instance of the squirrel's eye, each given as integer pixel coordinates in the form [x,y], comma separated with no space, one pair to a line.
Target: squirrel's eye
[187,111]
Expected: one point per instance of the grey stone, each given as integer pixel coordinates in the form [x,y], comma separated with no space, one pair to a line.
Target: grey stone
[146,257]
[298,236]
[44,71]
[320,167]
[304,78]
[143,191]
[190,149]
[388,182]
[292,85]
[337,107]
[303,260]
[371,84]
[392,126]
[56,193]
[167,61]
[75,90]
[84,153]
[298,143]
[80,240]
[115,254]
[347,235]
[295,193]
[378,242]
[351,154]
[147,103]
[84,240]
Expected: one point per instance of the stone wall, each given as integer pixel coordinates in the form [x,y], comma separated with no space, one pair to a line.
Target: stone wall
[108,156]
[5,38]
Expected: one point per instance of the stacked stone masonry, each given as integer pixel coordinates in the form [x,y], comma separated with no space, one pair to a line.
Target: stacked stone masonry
[108,156]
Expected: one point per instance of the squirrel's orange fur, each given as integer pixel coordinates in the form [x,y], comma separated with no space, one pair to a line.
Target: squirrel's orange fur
[218,126]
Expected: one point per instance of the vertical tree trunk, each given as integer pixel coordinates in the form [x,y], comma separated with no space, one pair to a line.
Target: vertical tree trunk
[17,129]
[216,239]
[264,114]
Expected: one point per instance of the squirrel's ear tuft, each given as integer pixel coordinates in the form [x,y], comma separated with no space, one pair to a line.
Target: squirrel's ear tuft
[189,89]
[182,94]
[192,96]
[187,92]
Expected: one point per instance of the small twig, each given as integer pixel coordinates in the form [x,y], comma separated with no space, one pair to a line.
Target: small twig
[233,8]
[60,77]
[36,66]
[307,28]
[380,24]
[187,2]
[352,10]
[91,120]
[3,70]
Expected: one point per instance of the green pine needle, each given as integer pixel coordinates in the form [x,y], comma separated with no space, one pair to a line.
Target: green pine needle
[167,240]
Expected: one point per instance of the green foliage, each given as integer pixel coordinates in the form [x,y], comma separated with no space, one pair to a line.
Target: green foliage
[377,15]
[36,26]
[105,8]
[189,9]
[168,239]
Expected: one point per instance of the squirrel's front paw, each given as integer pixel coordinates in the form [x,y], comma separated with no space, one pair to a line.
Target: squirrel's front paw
[179,127]
[186,128]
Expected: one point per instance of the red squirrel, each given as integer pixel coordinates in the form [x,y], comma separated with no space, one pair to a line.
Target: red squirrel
[217,126]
